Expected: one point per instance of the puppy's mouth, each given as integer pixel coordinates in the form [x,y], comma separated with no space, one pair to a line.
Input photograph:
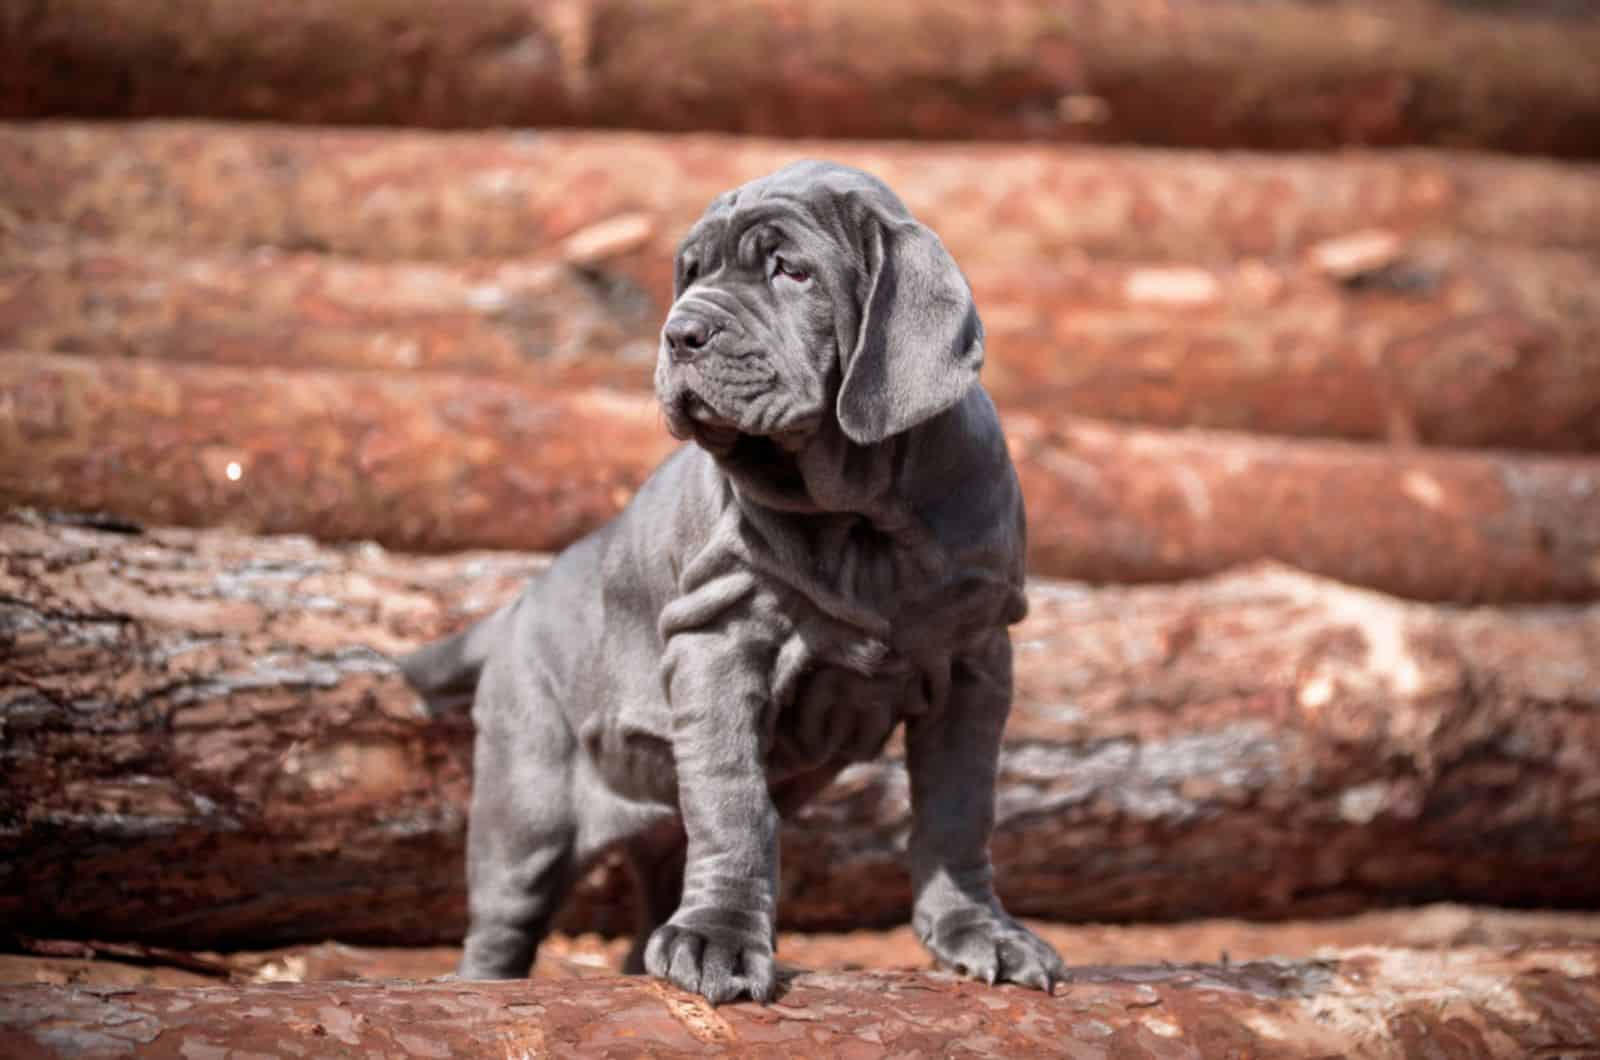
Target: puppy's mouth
[692,417]
[770,458]
[696,409]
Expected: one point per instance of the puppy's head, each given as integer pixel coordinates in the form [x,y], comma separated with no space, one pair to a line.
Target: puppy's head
[807,296]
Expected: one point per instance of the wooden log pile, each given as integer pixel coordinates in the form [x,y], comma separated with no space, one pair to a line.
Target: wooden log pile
[389,196]
[1262,744]
[1315,438]
[1420,342]
[413,460]
[1265,73]
[437,462]
[527,320]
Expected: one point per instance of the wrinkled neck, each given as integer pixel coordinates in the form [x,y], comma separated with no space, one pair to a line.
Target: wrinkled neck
[827,474]
[831,491]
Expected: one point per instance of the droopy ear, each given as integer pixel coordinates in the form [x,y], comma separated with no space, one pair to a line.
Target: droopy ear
[920,343]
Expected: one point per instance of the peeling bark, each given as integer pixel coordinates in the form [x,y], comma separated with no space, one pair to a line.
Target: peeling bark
[1265,744]
[1379,1003]
[1422,342]
[444,462]
[625,199]
[1278,74]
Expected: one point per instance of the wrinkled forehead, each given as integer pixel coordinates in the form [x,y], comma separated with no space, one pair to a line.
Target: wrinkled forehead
[800,202]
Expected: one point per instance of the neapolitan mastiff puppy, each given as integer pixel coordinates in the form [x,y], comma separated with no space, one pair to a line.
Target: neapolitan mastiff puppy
[840,551]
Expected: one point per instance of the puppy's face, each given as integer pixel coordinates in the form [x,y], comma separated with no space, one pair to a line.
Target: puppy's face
[749,349]
[811,299]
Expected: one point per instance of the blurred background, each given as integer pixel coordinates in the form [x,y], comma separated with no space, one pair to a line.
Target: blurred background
[1293,314]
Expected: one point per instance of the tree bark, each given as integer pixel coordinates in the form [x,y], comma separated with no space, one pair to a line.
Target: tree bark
[77,962]
[1263,744]
[1279,74]
[1380,1003]
[444,462]
[1120,504]
[627,198]
[419,461]
[1434,343]
[536,321]
[1421,342]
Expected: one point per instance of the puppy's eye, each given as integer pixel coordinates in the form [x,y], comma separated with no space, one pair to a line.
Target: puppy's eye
[788,271]
[691,272]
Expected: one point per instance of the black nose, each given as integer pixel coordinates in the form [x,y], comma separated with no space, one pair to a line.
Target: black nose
[686,335]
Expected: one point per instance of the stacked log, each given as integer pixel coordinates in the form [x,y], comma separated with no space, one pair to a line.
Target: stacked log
[1420,342]
[1426,342]
[100,963]
[1378,1002]
[1264,744]
[1112,504]
[1157,288]
[438,463]
[631,196]
[1379,367]
[1274,74]
[415,461]
[530,320]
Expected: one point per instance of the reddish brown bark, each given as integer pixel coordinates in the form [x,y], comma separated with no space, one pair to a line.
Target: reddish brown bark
[413,460]
[443,462]
[1119,504]
[1265,744]
[1437,343]
[535,321]
[432,195]
[1421,342]
[1276,74]
[62,962]
[1380,1003]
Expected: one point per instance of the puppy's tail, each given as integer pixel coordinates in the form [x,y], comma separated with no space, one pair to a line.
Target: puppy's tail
[446,671]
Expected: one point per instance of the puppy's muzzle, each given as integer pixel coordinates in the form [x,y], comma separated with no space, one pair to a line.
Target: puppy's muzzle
[687,335]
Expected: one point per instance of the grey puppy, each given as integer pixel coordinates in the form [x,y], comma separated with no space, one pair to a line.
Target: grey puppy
[840,551]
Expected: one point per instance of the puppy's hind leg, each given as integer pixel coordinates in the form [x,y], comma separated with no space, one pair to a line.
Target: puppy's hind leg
[520,843]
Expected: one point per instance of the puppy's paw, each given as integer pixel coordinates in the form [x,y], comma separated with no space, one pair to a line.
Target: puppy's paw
[718,963]
[989,945]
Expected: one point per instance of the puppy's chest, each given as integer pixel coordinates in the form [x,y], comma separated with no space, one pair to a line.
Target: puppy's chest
[838,688]
[857,635]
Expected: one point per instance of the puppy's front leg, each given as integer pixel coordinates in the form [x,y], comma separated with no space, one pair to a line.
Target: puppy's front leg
[952,758]
[720,941]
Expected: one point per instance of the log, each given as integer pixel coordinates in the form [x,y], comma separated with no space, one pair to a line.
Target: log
[1380,1002]
[416,460]
[436,463]
[1120,504]
[1277,74]
[1432,343]
[543,322]
[1264,744]
[62,962]
[1421,342]
[625,199]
